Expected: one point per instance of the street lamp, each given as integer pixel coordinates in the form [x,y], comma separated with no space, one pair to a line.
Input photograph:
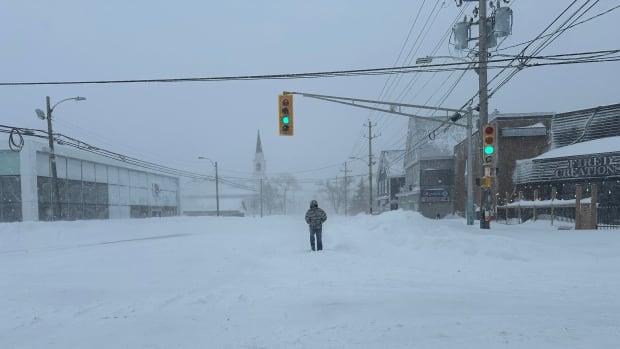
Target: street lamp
[470,191]
[429,59]
[217,191]
[42,115]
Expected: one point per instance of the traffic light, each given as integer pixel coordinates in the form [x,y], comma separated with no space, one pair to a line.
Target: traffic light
[489,146]
[285,114]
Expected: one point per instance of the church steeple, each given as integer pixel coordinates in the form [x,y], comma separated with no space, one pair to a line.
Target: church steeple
[259,160]
[259,147]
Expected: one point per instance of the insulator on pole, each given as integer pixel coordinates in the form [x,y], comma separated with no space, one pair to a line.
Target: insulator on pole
[491,38]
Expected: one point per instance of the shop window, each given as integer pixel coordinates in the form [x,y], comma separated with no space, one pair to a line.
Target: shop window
[44,185]
[10,199]
[74,192]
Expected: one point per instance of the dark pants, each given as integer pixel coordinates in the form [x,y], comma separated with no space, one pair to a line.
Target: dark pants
[319,242]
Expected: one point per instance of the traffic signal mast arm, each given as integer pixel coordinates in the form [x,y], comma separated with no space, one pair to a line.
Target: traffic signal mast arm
[351,102]
[451,120]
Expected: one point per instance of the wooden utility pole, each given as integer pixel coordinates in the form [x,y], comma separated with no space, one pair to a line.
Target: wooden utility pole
[370,138]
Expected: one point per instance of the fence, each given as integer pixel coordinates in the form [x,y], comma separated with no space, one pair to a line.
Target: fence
[524,210]
[578,211]
[608,217]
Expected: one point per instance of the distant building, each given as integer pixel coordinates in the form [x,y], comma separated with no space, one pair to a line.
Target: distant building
[431,193]
[198,198]
[390,179]
[91,186]
[236,197]
[429,166]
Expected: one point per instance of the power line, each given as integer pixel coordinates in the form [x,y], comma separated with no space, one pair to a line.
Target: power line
[396,62]
[75,143]
[326,74]
[395,82]
[426,68]
[524,60]
[563,30]
[545,43]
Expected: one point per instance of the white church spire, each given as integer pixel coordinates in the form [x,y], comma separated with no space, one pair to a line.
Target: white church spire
[259,160]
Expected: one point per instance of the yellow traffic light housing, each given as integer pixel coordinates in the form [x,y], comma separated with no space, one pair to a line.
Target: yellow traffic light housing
[486,182]
[285,114]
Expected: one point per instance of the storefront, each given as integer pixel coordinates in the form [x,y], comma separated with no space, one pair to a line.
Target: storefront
[595,162]
[431,190]
[90,186]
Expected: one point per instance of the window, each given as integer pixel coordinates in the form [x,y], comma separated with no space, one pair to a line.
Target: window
[9,163]
[10,199]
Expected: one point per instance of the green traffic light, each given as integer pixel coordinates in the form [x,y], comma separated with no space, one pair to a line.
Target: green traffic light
[489,149]
[285,119]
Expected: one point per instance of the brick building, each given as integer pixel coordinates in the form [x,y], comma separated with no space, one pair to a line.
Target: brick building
[519,136]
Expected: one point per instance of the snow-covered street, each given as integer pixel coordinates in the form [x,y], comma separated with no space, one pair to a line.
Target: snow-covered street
[396,280]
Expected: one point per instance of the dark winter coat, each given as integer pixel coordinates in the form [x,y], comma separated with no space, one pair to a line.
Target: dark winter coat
[315,217]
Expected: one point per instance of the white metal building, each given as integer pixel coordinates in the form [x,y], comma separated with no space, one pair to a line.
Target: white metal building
[91,186]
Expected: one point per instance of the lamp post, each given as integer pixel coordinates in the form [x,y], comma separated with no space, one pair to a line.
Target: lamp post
[217,190]
[43,115]
[470,191]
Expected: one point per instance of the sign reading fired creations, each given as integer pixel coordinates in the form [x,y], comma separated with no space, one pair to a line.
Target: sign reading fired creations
[590,167]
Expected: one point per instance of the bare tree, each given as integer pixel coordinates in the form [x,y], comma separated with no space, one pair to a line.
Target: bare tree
[359,203]
[286,183]
[336,191]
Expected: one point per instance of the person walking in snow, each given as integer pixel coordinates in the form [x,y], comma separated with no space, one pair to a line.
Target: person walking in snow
[315,217]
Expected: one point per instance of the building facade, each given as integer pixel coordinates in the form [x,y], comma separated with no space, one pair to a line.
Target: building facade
[585,150]
[390,179]
[431,190]
[428,164]
[518,136]
[90,186]
[546,151]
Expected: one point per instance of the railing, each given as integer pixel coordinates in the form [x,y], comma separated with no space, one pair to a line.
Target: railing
[608,217]
[522,211]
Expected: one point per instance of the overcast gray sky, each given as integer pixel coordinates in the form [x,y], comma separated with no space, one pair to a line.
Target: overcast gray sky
[174,123]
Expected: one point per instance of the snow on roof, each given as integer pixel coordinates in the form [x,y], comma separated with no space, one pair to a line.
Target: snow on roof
[40,145]
[536,125]
[393,161]
[601,145]
[493,116]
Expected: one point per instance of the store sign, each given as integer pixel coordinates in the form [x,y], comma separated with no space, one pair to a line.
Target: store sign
[435,195]
[590,167]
